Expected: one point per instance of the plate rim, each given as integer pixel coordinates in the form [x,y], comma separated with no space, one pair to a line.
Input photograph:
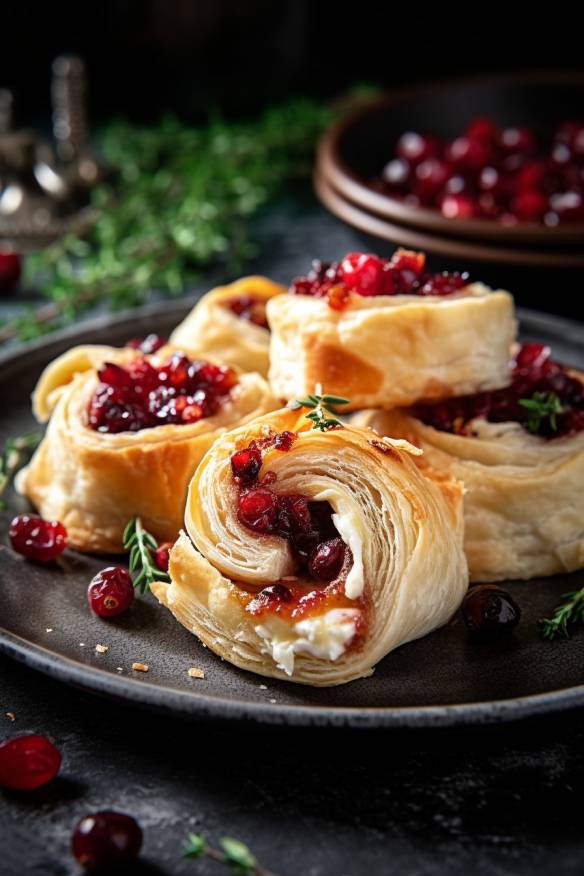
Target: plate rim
[199,706]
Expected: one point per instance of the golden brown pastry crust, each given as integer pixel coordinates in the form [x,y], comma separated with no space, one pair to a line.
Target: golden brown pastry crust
[524,495]
[94,482]
[391,350]
[212,329]
[404,530]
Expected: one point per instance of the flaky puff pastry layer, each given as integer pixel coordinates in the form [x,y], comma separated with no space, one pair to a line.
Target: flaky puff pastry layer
[524,495]
[94,482]
[404,529]
[391,350]
[212,329]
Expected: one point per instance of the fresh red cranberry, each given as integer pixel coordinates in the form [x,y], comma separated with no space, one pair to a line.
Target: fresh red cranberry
[326,560]
[431,176]
[517,140]
[529,206]
[466,154]
[10,270]
[415,147]
[482,128]
[490,612]
[294,516]
[37,539]
[28,762]
[258,510]
[396,174]
[458,207]
[162,556]
[246,464]
[362,272]
[111,591]
[568,206]
[104,841]
[148,345]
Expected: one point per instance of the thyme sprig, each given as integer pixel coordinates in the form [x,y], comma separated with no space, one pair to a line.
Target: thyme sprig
[542,406]
[177,199]
[141,545]
[15,454]
[320,406]
[232,852]
[570,611]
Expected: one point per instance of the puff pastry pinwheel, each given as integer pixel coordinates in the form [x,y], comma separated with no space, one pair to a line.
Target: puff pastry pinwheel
[125,434]
[520,453]
[310,555]
[386,333]
[229,322]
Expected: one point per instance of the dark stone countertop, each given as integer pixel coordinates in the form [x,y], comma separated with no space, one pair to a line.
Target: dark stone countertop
[491,800]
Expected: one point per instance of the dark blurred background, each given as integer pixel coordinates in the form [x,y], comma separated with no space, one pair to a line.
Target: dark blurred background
[149,56]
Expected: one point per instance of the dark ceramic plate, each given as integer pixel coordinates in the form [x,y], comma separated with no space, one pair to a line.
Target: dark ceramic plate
[355,149]
[440,680]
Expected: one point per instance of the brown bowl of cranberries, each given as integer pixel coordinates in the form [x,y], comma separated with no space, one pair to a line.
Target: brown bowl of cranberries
[489,170]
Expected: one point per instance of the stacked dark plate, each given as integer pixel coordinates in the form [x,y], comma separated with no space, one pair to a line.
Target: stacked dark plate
[543,265]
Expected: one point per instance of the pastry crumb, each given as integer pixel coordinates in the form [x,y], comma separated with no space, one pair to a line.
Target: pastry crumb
[263,686]
[82,644]
[273,701]
[119,668]
[11,716]
[49,629]
[140,667]
[102,649]
[195,672]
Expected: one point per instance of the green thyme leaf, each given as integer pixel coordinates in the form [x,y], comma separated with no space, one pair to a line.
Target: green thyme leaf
[141,545]
[320,405]
[14,456]
[238,854]
[570,611]
[195,846]
[540,407]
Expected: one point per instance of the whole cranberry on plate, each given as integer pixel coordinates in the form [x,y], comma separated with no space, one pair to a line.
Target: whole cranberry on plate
[111,591]
[489,611]
[28,762]
[106,841]
[37,539]
[10,271]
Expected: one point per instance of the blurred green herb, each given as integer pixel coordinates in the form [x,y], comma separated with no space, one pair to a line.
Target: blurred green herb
[142,545]
[178,200]
[15,454]
[233,852]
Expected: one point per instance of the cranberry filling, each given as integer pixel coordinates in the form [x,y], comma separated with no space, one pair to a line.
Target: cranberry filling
[148,345]
[139,395]
[368,275]
[250,308]
[558,397]
[508,175]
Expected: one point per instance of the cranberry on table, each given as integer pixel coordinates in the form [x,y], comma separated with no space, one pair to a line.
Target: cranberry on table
[111,591]
[10,270]
[28,762]
[489,611]
[106,840]
[37,539]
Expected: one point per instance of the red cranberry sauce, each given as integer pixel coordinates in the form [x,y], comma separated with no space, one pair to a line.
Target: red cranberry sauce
[249,308]
[508,175]
[148,345]
[323,559]
[535,376]
[140,395]
[368,275]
